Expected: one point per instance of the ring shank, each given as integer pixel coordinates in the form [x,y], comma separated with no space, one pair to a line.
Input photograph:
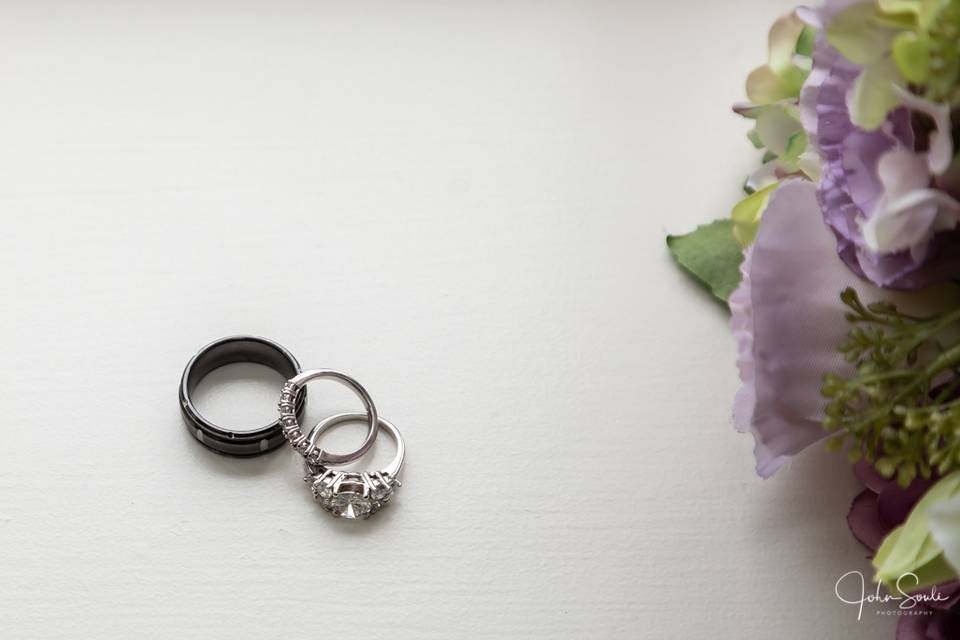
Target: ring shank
[291,423]
[392,469]
[232,350]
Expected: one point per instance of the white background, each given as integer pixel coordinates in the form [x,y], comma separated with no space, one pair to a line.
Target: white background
[462,204]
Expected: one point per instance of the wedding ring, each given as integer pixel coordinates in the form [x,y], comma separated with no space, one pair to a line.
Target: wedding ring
[290,422]
[348,494]
[229,351]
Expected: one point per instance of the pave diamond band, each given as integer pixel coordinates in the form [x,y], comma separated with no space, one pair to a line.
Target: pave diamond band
[290,423]
[348,494]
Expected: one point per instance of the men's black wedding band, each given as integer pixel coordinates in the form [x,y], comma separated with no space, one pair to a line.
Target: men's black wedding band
[220,353]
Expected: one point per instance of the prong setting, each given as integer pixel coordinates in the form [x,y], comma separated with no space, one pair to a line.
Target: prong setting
[350,495]
[353,495]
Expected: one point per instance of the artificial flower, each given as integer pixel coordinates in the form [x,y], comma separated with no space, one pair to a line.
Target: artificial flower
[855,112]
[859,201]
[788,321]
[880,508]
[746,214]
[911,548]
[927,50]
[774,90]
[783,75]
[909,212]
[864,34]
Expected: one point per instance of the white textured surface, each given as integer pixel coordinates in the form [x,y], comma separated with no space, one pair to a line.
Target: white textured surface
[463,204]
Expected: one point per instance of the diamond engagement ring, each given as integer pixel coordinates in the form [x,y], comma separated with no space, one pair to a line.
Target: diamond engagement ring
[348,494]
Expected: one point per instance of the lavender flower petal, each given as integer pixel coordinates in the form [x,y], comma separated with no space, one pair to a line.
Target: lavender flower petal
[788,321]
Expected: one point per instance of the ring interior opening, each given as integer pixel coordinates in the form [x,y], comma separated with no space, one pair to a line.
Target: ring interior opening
[342,436]
[235,384]
[241,396]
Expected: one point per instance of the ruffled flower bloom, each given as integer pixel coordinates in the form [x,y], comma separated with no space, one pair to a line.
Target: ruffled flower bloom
[876,189]
[788,321]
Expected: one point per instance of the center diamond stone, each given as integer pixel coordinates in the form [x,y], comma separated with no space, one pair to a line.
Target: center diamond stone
[350,505]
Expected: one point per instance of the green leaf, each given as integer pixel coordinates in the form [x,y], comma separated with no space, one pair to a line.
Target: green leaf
[711,255]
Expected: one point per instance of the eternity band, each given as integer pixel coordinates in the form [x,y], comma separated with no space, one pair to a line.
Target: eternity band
[290,422]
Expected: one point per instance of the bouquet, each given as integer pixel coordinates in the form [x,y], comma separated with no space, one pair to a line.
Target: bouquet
[839,270]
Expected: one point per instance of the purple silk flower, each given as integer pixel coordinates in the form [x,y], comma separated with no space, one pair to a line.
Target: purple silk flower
[788,322]
[852,189]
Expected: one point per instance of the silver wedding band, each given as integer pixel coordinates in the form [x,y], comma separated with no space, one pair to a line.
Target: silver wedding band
[290,423]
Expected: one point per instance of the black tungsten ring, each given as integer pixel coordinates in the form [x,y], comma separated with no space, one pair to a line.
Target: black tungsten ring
[229,351]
